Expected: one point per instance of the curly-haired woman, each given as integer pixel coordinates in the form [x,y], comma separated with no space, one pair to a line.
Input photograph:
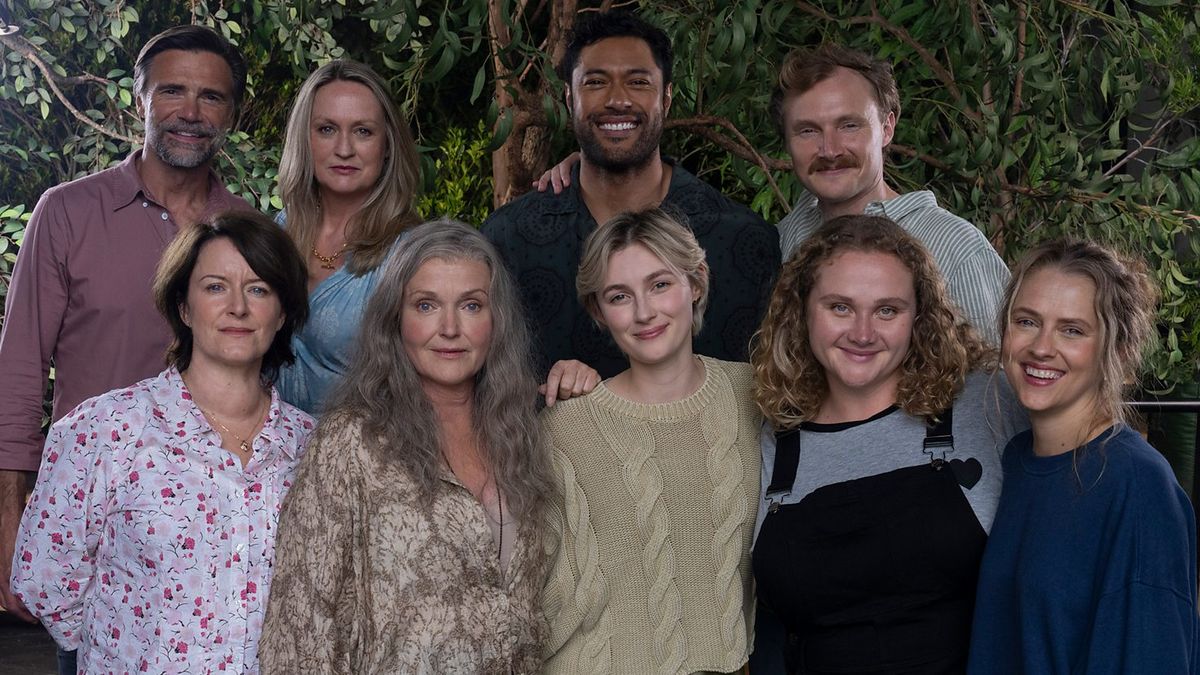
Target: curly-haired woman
[882,477]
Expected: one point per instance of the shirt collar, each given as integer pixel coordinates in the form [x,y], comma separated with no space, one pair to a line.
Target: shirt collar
[899,207]
[807,201]
[127,184]
[273,433]
[571,199]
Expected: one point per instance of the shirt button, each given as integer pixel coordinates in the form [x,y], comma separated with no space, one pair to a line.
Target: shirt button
[164,215]
[145,204]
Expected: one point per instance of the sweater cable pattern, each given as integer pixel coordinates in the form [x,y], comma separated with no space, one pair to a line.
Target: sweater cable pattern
[643,478]
[730,513]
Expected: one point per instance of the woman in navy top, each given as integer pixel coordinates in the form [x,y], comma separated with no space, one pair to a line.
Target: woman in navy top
[1091,563]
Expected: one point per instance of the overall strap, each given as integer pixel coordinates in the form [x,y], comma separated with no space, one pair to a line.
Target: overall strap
[783,473]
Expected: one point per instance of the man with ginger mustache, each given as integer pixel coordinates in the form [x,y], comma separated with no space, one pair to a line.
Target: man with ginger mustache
[617,69]
[80,296]
[837,110]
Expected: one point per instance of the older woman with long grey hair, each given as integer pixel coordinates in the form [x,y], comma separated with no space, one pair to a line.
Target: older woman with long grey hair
[412,539]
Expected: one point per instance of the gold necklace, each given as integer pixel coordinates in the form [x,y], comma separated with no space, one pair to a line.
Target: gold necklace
[242,442]
[328,262]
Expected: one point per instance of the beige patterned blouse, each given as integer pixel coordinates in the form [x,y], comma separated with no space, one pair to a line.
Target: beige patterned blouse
[368,580]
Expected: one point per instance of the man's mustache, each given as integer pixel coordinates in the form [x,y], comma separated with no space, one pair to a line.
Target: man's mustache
[194,128]
[822,164]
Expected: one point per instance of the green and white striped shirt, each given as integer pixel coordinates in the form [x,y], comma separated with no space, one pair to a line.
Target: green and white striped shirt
[975,274]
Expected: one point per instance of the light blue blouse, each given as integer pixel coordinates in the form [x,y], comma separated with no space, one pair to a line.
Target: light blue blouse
[327,342]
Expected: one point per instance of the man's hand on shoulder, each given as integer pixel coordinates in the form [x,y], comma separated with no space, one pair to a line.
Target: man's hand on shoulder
[568,379]
[557,176]
[12,503]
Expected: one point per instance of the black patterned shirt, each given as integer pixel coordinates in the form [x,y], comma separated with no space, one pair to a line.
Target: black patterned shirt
[541,235]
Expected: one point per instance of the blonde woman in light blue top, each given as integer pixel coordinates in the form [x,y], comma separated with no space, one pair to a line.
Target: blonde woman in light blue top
[325,346]
[348,181]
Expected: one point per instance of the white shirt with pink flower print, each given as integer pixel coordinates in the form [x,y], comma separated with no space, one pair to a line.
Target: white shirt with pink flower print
[146,545]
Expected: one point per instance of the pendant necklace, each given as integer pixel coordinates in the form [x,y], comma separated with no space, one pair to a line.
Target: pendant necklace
[328,262]
[243,443]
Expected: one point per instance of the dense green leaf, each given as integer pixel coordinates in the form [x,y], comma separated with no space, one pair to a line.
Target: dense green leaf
[1094,81]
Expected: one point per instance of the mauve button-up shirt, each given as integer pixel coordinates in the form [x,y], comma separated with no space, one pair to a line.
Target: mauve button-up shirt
[81,297]
[148,546]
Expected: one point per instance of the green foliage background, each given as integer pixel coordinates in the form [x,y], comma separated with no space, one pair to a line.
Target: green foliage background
[1032,119]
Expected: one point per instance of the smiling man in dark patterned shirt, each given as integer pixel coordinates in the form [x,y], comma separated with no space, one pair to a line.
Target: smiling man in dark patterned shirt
[618,74]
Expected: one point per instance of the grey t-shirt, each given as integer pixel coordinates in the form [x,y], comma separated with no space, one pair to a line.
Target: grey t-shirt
[986,415]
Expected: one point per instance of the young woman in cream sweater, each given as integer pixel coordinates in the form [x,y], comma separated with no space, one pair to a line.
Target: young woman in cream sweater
[658,469]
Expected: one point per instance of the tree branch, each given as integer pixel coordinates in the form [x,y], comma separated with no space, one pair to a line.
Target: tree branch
[986,92]
[561,20]
[911,153]
[1159,127]
[1001,216]
[562,16]
[1003,185]
[533,65]
[82,79]
[1022,27]
[537,11]
[1068,41]
[877,19]
[520,10]
[24,48]
[702,125]
[611,4]
[499,39]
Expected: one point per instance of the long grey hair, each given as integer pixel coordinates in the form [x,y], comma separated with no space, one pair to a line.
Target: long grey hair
[383,390]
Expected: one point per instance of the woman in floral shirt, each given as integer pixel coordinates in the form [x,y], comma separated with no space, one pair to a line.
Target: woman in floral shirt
[148,541]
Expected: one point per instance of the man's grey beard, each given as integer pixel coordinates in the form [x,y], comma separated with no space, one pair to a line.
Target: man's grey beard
[188,158]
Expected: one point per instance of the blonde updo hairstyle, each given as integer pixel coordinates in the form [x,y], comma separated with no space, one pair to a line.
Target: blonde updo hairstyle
[1126,299]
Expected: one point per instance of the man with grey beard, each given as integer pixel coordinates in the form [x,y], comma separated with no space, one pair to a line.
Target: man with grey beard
[618,74]
[80,296]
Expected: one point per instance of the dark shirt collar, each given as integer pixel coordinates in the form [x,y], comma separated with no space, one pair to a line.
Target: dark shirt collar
[571,199]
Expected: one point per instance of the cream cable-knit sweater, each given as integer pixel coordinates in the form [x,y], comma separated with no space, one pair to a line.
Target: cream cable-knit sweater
[652,569]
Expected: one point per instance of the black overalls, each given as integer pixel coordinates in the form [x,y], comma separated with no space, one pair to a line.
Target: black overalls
[874,575]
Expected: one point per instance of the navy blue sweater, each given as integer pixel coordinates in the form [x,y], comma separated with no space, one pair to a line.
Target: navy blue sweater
[1090,567]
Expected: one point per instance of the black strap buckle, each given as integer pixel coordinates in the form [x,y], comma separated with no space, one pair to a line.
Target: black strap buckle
[939,438]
